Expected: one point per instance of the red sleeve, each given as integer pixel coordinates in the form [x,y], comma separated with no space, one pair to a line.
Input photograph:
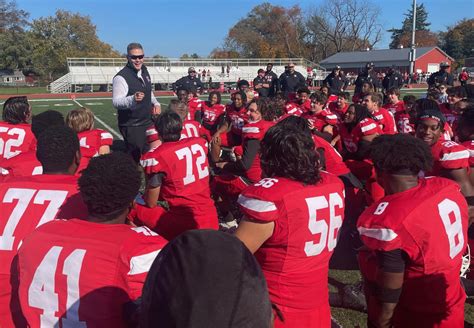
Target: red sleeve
[389,123]
[106,139]
[254,205]
[150,163]
[453,156]
[151,134]
[366,127]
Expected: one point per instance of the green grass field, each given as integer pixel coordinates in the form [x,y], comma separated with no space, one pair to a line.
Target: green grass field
[107,119]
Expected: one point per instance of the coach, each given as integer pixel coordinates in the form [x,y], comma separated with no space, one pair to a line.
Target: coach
[132,96]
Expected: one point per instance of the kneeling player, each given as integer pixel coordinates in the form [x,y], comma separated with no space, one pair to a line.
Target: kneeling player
[291,223]
[80,273]
[416,236]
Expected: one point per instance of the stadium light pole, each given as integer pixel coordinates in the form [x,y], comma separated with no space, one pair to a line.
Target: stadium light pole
[412,47]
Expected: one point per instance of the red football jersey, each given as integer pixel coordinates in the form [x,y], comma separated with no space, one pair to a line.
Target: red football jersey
[185,185]
[366,127]
[307,221]
[151,134]
[26,203]
[448,155]
[194,105]
[470,147]
[192,129]
[77,273]
[386,120]
[429,223]
[294,109]
[15,139]
[255,130]
[403,123]
[238,118]
[90,142]
[339,112]
[451,116]
[211,114]
[395,108]
[24,165]
[334,163]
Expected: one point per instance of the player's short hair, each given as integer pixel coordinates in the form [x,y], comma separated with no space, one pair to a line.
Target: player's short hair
[134,45]
[56,148]
[400,154]
[319,97]
[393,91]
[217,93]
[45,120]
[409,99]
[297,122]
[303,90]
[375,97]
[288,152]
[268,112]
[109,184]
[179,107]
[344,95]
[433,93]
[242,82]
[169,126]
[242,94]
[80,119]
[16,110]
[457,91]
[424,104]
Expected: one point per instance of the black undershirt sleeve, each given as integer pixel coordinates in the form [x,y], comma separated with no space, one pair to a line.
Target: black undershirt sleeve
[251,149]
[155,180]
[392,261]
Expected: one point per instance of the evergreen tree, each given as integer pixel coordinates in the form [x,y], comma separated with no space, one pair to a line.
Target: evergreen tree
[421,24]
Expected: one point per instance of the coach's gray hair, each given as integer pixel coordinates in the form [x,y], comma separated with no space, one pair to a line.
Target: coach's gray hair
[133,45]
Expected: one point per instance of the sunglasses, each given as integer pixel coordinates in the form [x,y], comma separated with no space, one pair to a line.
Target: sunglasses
[136,57]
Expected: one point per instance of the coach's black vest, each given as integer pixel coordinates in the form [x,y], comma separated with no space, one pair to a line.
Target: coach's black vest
[140,113]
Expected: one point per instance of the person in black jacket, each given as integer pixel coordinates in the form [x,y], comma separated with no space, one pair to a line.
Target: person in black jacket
[441,77]
[335,81]
[272,80]
[367,75]
[132,96]
[291,80]
[190,81]
[393,79]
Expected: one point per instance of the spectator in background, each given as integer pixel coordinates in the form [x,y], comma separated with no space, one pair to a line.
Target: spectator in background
[463,77]
[393,79]
[291,80]
[190,82]
[335,81]
[443,95]
[261,85]
[272,80]
[132,96]
[367,75]
[441,77]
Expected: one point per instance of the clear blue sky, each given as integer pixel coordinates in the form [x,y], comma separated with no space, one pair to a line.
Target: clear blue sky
[174,27]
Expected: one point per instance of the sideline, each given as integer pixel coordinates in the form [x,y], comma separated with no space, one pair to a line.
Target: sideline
[115,133]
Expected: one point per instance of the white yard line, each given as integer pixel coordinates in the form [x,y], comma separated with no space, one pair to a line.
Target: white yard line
[115,133]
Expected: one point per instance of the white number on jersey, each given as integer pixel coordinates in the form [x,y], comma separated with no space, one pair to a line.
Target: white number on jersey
[201,166]
[328,235]
[6,146]
[55,199]
[453,230]
[42,295]
[191,131]
[266,182]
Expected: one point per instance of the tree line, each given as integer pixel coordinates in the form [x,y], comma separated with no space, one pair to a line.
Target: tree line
[42,45]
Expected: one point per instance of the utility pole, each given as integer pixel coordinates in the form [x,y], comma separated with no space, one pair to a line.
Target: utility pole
[412,47]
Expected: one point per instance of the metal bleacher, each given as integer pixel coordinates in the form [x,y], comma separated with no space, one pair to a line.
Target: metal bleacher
[90,73]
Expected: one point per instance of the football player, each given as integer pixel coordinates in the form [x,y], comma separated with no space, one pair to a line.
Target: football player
[29,202]
[26,164]
[415,238]
[291,223]
[384,118]
[178,172]
[15,130]
[81,272]
[92,142]
[213,112]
